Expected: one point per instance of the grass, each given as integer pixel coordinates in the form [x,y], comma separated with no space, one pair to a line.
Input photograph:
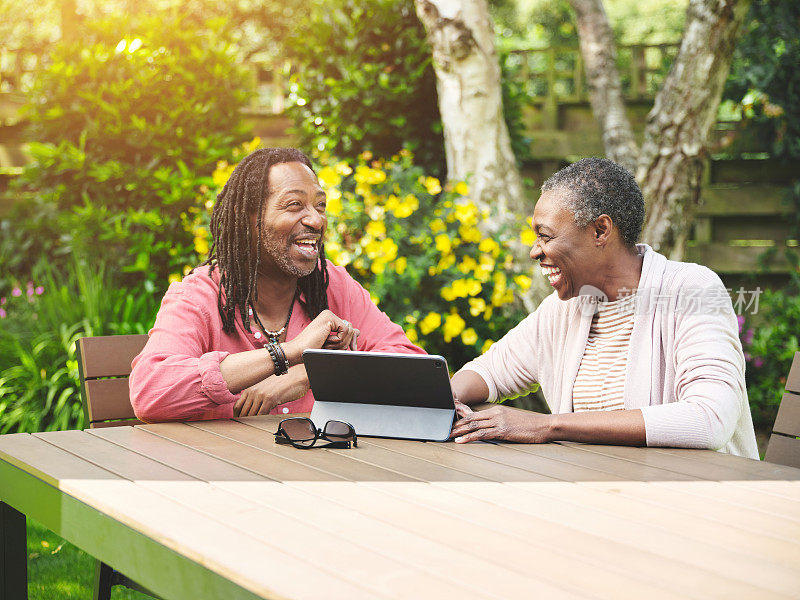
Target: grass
[57,570]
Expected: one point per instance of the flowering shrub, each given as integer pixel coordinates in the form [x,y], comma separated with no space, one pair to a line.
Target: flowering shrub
[419,250]
[769,339]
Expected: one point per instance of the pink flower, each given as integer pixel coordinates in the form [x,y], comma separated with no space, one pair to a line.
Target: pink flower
[30,292]
[740,319]
[747,356]
[39,290]
[2,300]
[3,314]
[758,362]
[748,337]
[16,292]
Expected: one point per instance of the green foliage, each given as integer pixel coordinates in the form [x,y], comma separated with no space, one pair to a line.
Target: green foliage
[765,81]
[395,229]
[129,123]
[363,80]
[770,338]
[39,323]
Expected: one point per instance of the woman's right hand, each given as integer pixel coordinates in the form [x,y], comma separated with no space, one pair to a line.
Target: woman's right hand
[326,330]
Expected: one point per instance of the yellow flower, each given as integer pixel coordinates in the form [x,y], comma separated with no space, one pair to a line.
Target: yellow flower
[405,208]
[400,265]
[366,155]
[376,229]
[201,245]
[175,277]
[374,299]
[378,267]
[365,174]
[466,265]
[469,336]
[453,325]
[411,334]
[329,177]
[446,262]
[432,184]
[186,270]
[335,206]
[342,168]
[466,213]
[431,321]
[443,243]
[490,246]
[523,281]
[528,237]
[222,173]
[476,306]
[469,233]
[252,145]
[388,250]
[437,226]
[486,345]
[448,294]
[461,188]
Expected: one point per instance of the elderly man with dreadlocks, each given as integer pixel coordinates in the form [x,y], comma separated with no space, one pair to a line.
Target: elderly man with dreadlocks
[228,339]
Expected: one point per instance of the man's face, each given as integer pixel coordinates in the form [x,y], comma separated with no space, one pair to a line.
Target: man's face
[294,220]
[566,252]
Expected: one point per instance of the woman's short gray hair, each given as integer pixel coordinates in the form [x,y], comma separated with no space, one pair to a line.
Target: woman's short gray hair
[596,186]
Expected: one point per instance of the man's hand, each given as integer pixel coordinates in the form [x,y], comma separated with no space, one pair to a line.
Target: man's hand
[325,331]
[501,423]
[273,391]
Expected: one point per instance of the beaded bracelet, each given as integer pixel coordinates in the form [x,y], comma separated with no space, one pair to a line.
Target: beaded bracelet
[278,358]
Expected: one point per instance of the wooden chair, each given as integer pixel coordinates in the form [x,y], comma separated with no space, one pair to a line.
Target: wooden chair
[784,447]
[104,363]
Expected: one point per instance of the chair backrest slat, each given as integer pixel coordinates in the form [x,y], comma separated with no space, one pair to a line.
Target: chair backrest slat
[109,355]
[783,450]
[107,400]
[793,379]
[788,420]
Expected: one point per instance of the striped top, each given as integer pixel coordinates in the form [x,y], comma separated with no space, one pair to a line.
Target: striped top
[600,383]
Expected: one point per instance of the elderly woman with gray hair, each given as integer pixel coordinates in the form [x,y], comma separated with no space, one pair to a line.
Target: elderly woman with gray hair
[631,348]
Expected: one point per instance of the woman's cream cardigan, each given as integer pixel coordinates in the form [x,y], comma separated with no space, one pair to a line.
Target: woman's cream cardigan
[685,364]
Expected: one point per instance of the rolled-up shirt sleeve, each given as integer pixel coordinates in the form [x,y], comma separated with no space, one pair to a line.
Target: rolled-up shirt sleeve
[710,388]
[177,376]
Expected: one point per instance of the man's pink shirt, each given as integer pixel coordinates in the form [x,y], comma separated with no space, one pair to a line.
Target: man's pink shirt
[177,375]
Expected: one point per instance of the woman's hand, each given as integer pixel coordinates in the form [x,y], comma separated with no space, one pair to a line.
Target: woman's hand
[273,391]
[501,423]
[325,331]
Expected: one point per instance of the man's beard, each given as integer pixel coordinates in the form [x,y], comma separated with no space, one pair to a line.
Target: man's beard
[272,248]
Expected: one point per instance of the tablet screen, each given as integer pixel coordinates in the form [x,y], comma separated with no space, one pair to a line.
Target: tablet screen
[379,378]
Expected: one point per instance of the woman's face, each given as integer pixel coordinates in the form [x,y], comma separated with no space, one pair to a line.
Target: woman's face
[566,253]
[294,220]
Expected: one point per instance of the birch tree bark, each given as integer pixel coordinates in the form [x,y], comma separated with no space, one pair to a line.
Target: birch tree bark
[679,126]
[669,164]
[605,88]
[477,144]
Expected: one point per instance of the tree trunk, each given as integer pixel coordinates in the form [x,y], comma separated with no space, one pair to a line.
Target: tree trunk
[670,163]
[680,123]
[477,144]
[605,88]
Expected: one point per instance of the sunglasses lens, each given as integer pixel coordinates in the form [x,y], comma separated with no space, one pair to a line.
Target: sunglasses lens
[338,431]
[299,430]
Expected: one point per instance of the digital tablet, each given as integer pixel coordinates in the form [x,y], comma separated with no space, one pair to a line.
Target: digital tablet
[405,396]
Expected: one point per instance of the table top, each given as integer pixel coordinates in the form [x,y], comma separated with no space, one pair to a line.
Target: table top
[208,504]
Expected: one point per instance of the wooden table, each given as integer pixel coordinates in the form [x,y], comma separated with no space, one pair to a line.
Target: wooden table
[217,510]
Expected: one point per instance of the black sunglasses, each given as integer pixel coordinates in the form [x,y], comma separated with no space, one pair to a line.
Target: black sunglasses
[301,433]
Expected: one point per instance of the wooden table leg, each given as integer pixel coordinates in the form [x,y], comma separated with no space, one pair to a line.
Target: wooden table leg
[13,554]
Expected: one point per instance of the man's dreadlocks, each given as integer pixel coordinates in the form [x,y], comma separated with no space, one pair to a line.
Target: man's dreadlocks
[245,194]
